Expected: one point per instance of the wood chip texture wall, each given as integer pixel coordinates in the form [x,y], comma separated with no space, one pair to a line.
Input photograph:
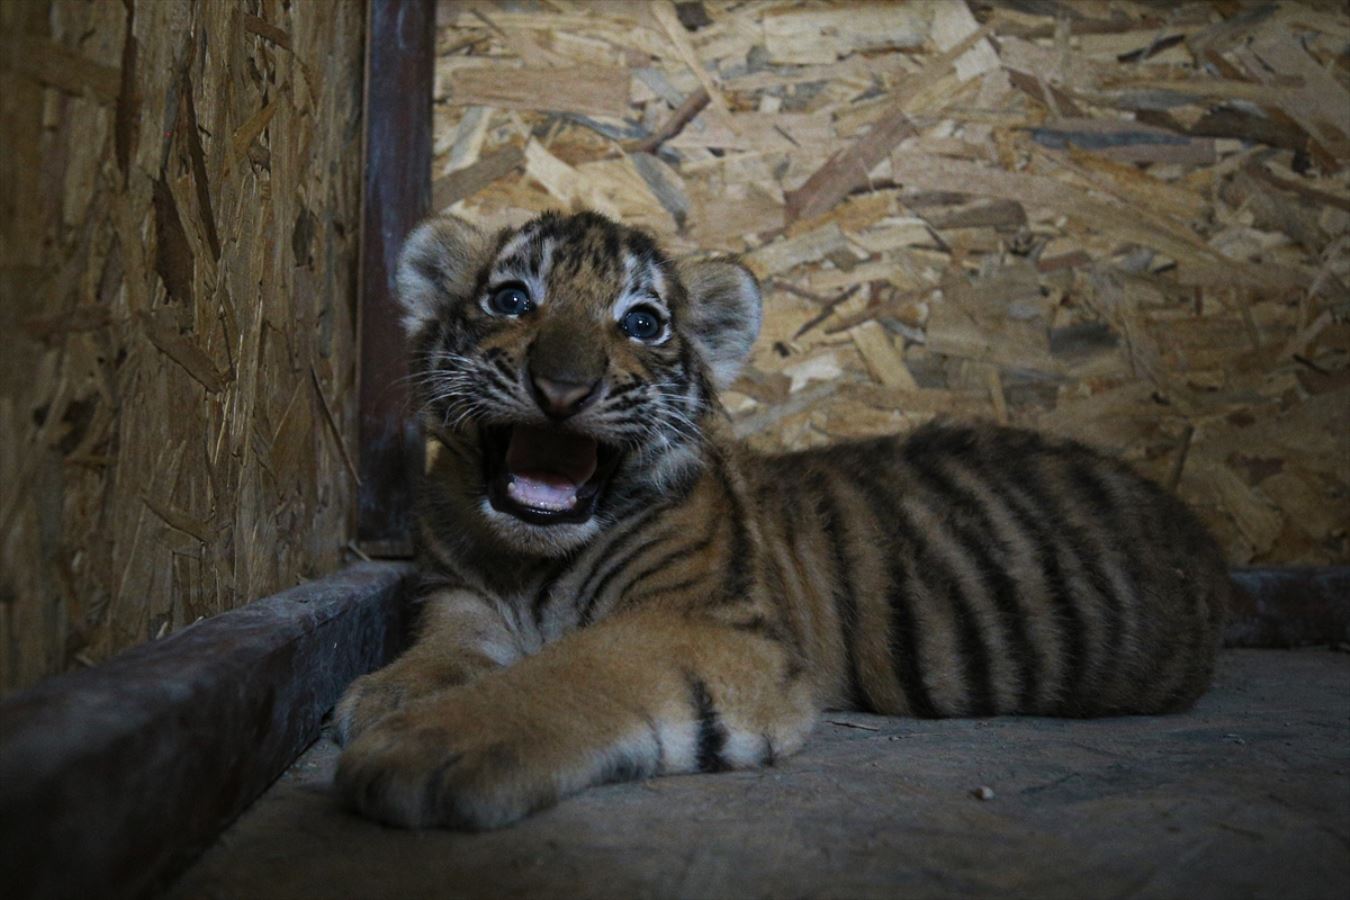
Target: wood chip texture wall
[180,195]
[1124,222]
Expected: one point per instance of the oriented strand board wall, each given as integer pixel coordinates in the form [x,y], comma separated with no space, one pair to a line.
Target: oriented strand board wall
[180,184]
[1120,221]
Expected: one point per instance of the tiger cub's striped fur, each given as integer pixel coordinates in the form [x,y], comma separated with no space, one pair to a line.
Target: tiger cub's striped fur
[617,589]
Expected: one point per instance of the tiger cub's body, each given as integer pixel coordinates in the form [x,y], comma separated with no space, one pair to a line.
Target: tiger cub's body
[616,588]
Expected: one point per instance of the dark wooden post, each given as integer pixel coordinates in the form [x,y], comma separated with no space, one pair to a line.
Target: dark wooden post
[401,44]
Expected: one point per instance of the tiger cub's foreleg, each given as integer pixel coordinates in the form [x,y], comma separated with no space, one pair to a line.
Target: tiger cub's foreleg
[462,636]
[637,695]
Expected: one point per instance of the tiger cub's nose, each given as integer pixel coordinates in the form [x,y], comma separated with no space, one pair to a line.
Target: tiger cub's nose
[560,399]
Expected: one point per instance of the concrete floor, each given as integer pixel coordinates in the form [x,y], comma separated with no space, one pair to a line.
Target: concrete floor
[1248,795]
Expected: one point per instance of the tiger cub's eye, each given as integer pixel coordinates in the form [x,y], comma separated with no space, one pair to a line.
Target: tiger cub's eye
[511,300]
[641,323]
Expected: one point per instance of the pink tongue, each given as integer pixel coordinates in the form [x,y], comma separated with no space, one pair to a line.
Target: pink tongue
[547,467]
[540,494]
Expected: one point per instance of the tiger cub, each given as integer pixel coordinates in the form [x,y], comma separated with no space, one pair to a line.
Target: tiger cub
[615,588]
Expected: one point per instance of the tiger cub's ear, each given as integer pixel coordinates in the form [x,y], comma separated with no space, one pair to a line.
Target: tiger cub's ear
[437,267]
[724,314]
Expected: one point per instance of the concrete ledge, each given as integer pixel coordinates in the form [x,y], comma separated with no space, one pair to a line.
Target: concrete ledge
[113,778]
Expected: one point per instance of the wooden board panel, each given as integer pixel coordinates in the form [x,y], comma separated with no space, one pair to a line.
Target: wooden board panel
[1115,222]
[180,187]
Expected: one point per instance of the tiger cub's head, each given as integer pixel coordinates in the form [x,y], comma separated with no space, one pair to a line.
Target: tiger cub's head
[571,363]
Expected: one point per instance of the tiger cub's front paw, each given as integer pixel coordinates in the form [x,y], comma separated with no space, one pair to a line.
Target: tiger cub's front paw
[430,765]
[374,696]
[365,701]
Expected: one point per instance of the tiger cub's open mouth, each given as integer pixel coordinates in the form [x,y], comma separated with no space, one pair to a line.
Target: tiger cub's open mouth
[545,476]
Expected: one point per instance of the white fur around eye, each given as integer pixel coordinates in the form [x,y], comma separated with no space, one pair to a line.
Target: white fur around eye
[502,272]
[628,301]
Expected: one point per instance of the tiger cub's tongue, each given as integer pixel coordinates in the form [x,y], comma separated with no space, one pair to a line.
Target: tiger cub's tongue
[546,467]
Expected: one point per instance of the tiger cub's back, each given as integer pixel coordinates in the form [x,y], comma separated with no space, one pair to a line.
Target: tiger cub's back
[977,570]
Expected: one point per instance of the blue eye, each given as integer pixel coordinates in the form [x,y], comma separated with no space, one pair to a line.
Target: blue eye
[642,323]
[511,300]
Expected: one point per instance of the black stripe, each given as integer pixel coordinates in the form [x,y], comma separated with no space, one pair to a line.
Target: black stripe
[904,644]
[904,638]
[736,580]
[632,532]
[939,578]
[845,600]
[782,629]
[506,367]
[670,559]
[615,404]
[1096,482]
[687,367]
[789,513]
[542,596]
[712,735]
[1071,629]
[978,539]
[785,492]
[598,592]
[760,626]
[1027,480]
[975,653]
[536,256]
[493,378]
[657,591]
[1101,504]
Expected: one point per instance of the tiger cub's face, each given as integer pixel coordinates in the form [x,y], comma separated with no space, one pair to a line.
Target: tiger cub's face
[572,361]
